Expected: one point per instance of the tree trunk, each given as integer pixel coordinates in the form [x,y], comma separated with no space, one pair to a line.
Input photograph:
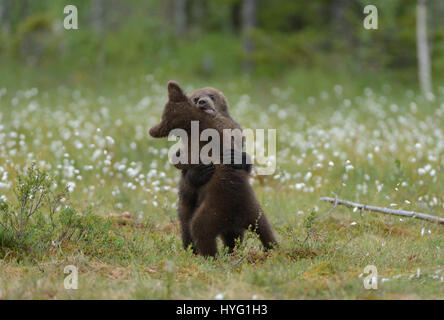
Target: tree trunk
[198,15]
[422,47]
[235,17]
[179,17]
[98,24]
[2,11]
[249,8]
[340,25]
[5,15]
[98,16]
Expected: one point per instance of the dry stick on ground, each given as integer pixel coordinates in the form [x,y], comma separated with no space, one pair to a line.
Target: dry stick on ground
[335,203]
[403,213]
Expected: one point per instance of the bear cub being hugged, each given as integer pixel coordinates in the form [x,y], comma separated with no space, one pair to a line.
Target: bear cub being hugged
[215,199]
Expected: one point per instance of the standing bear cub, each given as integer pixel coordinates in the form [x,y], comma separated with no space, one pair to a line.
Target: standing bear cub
[195,176]
[226,205]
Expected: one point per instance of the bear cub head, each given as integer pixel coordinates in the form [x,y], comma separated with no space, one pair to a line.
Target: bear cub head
[202,105]
[210,101]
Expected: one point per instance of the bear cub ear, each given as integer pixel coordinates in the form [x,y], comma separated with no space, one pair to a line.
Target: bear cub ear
[175,93]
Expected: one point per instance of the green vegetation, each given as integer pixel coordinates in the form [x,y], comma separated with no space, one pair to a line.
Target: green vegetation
[76,106]
[378,146]
[131,37]
[40,221]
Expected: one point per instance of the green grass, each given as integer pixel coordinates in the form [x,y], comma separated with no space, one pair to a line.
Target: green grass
[380,146]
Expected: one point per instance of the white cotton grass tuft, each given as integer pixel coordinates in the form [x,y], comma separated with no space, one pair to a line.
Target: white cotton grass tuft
[219,296]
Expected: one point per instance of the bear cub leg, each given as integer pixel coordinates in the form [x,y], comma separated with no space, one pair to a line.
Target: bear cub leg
[230,237]
[185,214]
[204,232]
[265,232]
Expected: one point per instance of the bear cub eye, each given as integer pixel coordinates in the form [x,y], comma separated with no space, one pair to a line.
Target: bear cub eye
[211,97]
[196,99]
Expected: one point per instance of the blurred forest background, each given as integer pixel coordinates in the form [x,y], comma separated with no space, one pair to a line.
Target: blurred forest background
[214,39]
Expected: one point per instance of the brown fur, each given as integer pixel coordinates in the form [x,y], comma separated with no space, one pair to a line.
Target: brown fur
[189,193]
[224,206]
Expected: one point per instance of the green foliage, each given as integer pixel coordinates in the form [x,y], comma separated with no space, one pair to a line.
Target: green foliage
[39,220]
[309,219]
[289,35]
[36,22]
[22,220]
[140,255]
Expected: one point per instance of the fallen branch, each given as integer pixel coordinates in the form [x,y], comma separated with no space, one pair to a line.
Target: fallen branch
[363,207]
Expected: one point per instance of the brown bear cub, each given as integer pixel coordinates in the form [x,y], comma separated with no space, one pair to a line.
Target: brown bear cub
[226,204]
[194,176]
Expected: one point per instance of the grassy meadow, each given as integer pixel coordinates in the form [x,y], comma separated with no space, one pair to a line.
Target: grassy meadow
[374,143]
